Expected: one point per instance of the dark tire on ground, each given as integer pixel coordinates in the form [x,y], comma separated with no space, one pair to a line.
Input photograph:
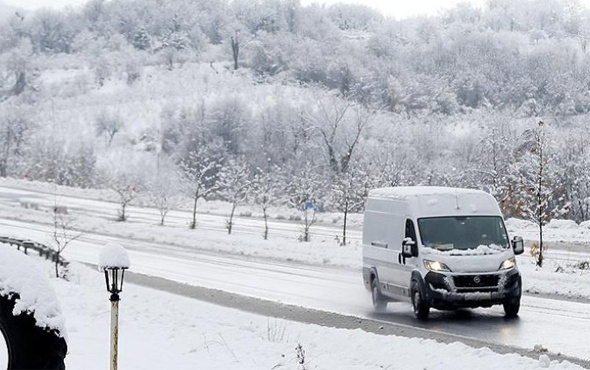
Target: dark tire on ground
[419,301]
[29,346]
[512,305]
[379,302]
[511,308]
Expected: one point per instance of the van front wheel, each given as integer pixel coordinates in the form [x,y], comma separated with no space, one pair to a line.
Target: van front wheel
[512,305]
[511,308]
[419,302]
[379,302]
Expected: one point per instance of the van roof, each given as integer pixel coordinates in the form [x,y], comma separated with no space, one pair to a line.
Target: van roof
[405,192]
[435,201]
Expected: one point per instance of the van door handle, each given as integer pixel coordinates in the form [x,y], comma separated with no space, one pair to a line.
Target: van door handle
[379,244]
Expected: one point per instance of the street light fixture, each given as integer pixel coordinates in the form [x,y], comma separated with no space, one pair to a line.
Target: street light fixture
[114,280]
[113,260]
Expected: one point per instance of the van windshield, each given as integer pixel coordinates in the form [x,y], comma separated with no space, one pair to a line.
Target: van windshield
[462,232]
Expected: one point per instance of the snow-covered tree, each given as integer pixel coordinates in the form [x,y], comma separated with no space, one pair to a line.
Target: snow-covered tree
[494,158]
[15,127]
[198,175]
[349,193]
[127,190]
[164,188]
[235,182]
[304,192]
[573,160]
[126,180]
[537,196]
[108,124]
[265,188]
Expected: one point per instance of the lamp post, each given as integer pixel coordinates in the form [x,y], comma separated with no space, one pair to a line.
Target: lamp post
[113,261]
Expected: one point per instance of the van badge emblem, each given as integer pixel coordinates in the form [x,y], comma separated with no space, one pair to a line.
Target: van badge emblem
[476,279]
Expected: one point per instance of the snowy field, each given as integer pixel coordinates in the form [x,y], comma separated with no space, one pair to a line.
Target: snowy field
[164,331]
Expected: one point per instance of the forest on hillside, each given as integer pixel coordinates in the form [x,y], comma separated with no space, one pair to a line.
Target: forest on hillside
[271,102]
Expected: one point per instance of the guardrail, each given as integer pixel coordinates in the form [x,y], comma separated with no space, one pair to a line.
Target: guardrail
[41,249]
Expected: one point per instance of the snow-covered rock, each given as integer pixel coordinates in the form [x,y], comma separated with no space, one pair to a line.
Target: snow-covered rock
[19,274]
[544,361]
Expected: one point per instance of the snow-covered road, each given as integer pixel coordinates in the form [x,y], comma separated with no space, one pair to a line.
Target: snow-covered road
[554,324]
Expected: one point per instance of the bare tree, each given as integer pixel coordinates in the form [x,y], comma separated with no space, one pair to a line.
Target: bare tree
[264,191]
[340,125]
[235,182]
[63,233]
[349,193]
[127,192]
[126,183]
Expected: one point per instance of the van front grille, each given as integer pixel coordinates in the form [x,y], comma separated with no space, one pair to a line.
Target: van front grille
[476,281]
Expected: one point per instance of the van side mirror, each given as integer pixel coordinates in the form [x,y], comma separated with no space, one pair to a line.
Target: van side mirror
[518,245]
[409,248]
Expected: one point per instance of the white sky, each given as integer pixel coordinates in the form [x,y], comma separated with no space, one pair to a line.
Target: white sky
[396,8]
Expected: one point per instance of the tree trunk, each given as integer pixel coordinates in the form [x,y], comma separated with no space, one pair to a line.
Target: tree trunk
[21,83]
[344,226]
[235,48]
[193,224]
[231,218]
[540,260]
[306,228]
[123,217]
[57,265]
[265,223]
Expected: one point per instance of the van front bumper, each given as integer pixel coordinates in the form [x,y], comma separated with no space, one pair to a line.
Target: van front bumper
[452,290]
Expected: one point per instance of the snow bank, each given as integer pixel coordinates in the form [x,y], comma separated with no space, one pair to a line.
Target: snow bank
[517,224]
[113,255]
[562,224]
[18,274]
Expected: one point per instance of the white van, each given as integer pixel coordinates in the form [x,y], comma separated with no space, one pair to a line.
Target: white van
[439,247]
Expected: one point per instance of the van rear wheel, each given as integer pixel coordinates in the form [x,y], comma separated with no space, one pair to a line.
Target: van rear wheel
[419,301]
[379,302]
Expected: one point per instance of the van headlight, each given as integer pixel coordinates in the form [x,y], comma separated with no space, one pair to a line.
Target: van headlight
[436,266]
[508,264]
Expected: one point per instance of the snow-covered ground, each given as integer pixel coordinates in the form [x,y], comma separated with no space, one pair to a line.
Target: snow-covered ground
[184,333]
[164,331]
